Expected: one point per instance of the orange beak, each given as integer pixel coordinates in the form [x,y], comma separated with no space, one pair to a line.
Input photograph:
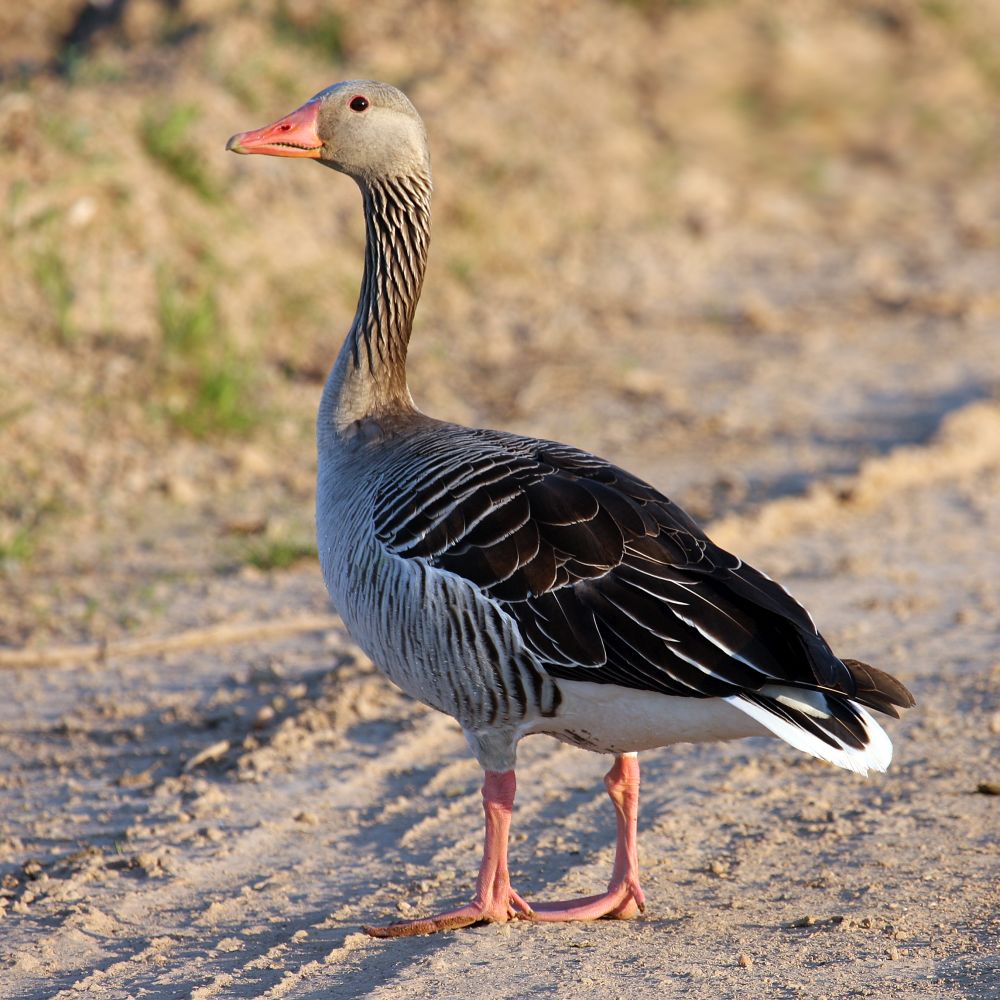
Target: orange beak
[293,135]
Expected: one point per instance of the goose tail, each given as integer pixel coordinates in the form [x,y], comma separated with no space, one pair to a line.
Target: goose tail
[826,725]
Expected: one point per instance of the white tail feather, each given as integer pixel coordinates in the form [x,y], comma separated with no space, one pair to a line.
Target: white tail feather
[875,756]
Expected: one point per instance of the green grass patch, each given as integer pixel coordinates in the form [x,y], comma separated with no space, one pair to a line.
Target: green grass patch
[946,11]
[13,413]
[207,388]
[240,84]
[188,318]
[167,139]
[54,282]
[84,69]
[216,401]
[17,546]
[323,32]
[24,517]
[277,553]
[654,7]
[67,132]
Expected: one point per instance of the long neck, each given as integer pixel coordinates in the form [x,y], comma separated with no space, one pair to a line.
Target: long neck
[369,377]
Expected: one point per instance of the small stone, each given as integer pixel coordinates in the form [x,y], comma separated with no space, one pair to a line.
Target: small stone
[181,489]
[81,212]
[893,953]
[642,382]
[138,779]
[255,462]
[988,788]
[744,961]
[250,525]
[150,863]
[264,717]
[211,753]
[308,818]
[759,314]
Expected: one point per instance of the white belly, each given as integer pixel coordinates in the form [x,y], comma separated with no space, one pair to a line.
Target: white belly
[612,719]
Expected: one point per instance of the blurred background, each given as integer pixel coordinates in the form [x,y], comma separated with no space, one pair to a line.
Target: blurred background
[734,246]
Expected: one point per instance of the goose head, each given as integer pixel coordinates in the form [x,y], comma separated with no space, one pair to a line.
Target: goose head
[360,127]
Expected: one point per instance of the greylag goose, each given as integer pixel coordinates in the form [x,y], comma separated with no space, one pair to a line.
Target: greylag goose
[523,586]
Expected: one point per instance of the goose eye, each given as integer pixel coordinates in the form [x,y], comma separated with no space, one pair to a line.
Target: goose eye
[358,103]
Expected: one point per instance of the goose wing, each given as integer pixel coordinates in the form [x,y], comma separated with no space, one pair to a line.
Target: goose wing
[608,579]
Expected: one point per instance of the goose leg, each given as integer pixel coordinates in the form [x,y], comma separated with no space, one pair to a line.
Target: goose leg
[495,901]
[624,897]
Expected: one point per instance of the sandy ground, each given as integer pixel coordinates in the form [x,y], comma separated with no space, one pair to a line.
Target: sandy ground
[769,286]
[327,799]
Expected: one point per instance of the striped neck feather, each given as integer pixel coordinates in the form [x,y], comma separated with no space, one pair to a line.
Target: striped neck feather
[369,377]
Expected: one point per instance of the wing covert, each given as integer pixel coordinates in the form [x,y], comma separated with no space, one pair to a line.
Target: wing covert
[608,580]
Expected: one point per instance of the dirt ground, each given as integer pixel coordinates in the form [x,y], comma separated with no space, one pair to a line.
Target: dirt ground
[752,256]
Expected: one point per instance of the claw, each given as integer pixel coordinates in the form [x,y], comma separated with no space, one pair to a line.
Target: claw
[476,912]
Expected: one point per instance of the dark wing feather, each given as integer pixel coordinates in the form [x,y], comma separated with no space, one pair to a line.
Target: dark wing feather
[609,580]
[878,689]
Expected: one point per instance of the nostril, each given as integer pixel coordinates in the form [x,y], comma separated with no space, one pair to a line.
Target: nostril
[285,127]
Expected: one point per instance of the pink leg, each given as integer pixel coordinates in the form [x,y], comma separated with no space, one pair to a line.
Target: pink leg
[624,897]
[495,900]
